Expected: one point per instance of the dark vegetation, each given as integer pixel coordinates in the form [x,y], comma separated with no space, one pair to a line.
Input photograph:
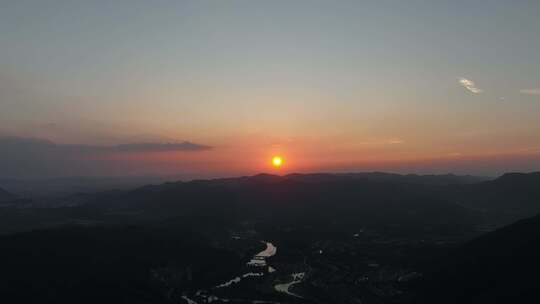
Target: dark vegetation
[107,265]
[499,267]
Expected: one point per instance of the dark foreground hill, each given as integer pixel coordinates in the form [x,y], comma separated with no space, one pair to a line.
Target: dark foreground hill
[499,267]
[108,264]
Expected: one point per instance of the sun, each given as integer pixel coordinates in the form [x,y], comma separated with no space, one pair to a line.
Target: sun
[277,161]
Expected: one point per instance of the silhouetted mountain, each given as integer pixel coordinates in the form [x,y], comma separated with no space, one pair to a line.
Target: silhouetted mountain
[499,267]
[5,196]
[519,178]
[511,196]
[374,197]
[321,197]
[445,179]
[391,201]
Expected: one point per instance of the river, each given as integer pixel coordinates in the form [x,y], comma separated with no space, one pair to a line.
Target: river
[257,262]
[284,288]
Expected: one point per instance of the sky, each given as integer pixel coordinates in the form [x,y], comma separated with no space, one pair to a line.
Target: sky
[216,88]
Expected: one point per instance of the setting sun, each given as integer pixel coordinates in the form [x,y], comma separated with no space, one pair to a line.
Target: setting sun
[277,161]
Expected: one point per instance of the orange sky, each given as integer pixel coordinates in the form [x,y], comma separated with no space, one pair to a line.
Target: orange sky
[359,85]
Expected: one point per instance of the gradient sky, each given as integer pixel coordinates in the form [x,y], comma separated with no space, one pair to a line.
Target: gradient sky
[405,86]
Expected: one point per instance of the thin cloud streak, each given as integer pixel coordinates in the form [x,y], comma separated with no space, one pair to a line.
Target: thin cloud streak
[19,142]
[469,85]
[382,142]
[30,157]
[534,91]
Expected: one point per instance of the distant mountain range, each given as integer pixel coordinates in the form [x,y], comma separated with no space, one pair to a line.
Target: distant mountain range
[501,201]
[442,179]
[371,198]
[401,202]
[510,197]
[70,185]
[375,197]
[55,187]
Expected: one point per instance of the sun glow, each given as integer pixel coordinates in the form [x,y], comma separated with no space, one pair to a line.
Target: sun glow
[277,161]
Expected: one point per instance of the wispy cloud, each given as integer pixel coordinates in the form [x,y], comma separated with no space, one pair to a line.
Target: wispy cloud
[21,142]
[30,157]
[535,91]
[469,85]
[394,141]
[153,147]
